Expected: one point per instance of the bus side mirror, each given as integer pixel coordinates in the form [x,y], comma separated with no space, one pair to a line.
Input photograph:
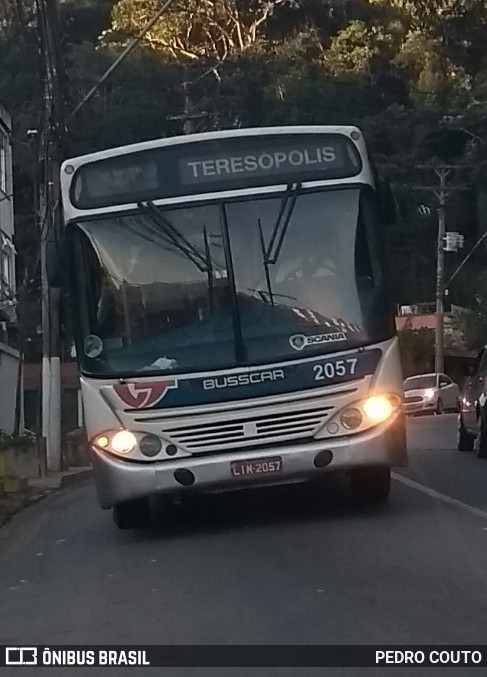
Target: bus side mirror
[387,202]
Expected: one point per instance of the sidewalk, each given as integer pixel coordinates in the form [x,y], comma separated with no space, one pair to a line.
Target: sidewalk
[37,489]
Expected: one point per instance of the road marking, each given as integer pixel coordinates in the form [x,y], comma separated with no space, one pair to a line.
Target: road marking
[432,493]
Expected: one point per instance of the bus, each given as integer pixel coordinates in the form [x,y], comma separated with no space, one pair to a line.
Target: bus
[231,315]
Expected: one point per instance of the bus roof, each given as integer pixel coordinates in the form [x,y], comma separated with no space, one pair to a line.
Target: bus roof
[208,136]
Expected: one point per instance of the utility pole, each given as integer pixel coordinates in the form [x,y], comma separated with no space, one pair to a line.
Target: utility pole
[440,273]
[188,116]
[442,191]
[50,158]
[188,121]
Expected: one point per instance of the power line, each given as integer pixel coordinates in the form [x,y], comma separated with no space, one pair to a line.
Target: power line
[122,57]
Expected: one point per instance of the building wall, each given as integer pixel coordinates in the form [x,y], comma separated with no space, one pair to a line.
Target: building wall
[9,357]
[9,363]
[70,415]
[7,250]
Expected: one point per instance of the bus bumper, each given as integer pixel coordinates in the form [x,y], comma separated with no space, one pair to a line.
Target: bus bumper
[119,480]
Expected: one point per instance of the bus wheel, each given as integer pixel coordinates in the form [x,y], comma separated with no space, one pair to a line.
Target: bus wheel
[132,514]
[371,484]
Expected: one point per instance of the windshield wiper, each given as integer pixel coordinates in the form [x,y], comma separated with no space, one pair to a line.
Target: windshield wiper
[266,263]
[279,230]
[281,225]
[209,270]
[175,237]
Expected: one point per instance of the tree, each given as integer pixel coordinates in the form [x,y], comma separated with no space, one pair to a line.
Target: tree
[15,16]
[425,14]
[474,323]
[360,48]
[416,347]
[212,29]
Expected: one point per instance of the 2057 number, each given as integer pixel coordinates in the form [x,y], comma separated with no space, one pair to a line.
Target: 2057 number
[330,370]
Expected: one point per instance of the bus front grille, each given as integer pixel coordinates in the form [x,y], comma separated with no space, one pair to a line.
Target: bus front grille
[247,431]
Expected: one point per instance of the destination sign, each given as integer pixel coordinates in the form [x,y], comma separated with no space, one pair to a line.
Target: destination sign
[258,163]
[205,166]
[128,177]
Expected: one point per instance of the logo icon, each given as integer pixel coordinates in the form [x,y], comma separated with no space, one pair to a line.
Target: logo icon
[298,341]
[143,395]
[20,655]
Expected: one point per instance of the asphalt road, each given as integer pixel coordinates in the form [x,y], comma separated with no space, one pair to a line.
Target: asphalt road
[281,566]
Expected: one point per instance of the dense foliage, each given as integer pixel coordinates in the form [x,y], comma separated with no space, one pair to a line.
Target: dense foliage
[411,73]
[416,347]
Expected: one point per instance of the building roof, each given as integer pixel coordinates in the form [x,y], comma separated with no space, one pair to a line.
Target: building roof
[416,322]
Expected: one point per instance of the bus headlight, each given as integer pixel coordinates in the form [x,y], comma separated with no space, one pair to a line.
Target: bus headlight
[378,408]
[123,442]
[119,441]
[351,418]
[102,441]
[150,445]
[357,417]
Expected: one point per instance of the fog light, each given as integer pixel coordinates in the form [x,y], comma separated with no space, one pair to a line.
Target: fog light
[123,442]
[102,441]
[378,408]
[150,445]
[351,418]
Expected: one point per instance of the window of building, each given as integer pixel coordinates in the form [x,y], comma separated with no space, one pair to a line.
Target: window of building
[3,164]
[7,266]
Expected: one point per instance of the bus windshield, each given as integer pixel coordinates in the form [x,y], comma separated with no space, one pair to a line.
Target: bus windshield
[228,283]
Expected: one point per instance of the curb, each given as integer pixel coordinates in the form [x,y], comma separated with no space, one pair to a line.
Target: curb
[19,505]
[76,478]
[35,496]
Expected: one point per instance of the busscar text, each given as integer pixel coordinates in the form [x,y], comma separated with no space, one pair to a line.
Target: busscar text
[237,380]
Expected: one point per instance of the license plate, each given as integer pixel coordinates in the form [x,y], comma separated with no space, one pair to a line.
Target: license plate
[261,466]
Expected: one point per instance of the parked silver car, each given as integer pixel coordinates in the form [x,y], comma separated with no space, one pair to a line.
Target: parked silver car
[433,393]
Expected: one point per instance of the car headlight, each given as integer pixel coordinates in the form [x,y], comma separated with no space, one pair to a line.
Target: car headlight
[429,393]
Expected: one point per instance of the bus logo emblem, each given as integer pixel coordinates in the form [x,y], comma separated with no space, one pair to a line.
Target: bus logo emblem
[143,395]
[300,341]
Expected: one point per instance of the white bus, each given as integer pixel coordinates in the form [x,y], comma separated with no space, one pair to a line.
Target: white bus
[231,314]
